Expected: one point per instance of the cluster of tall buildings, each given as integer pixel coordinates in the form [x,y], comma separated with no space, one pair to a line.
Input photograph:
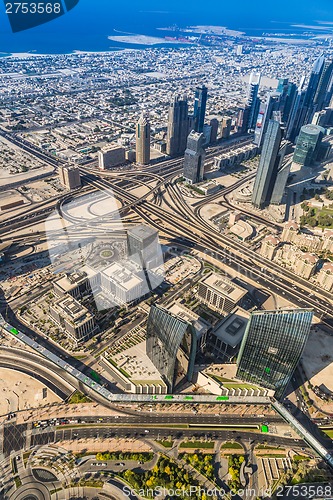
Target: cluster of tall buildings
[289,115]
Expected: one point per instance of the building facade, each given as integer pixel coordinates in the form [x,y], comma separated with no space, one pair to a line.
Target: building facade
[194,158]
[308,145]
[70,177]
[200,102]
[178,126]
[111,157]
[143,141]
[219,293]
[171,346]
[272,347]
[270,161]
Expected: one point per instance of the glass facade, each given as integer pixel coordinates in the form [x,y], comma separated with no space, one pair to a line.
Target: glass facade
[170,341]
[272,346]
[308,144]
[268,166]
[194,158]
[200,103]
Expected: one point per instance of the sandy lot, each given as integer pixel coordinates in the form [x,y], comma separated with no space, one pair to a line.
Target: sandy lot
[20,391]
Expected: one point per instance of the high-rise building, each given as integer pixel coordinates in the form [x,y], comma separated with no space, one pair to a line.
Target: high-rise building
[270,162]
[70,176]
[143,246]
[316,96]
[194,159]
[143,140]
[226,127]
[111,157]
[280,183]
[214,124]
[297,113]
[287,91]
[200,102]
[272,346]
[265,114]
[171,345]
[308,145]
[178,126]
[219,293]
[252,100]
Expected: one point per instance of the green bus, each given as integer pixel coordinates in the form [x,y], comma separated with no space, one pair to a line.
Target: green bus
[14,331]
[168,397]
[222,398]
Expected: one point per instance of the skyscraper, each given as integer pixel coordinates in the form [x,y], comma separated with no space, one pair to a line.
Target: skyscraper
[315,97]
[178,126]
[143,140]
[270,161]
[252,100]
[265,114]
[194,158]
[171,345]
[287,91]
[272,346]
[323,91]
[297,113]
[200,102]
[143,246]
[308,144]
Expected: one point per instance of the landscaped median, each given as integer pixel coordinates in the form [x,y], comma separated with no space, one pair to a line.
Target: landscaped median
[231,448]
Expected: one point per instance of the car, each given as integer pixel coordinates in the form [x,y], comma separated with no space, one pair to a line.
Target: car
[146,431]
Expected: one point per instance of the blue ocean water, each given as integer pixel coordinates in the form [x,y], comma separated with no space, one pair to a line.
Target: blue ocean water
[89,24]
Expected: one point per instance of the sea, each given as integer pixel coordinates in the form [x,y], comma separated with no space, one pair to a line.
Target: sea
[88,25]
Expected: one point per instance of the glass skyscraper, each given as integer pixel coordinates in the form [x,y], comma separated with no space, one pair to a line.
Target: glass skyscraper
[308,145]
[272,346]
[270,162]
[200,102]
[171,345]
[178,126]
[194,158]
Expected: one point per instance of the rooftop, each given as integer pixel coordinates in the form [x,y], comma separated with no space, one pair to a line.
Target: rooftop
[225,287]
[232,328]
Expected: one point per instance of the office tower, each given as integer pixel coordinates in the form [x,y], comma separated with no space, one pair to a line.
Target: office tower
[272,346]
[297,113]
[194,158]
[239,50]
[112,156]
[270,161]
[287,91]
[143,141]
[143,246]
[242,119]
[252,100]
[323,92]
[308,144]
[219,293]
[226,127]
[214,124]
[280,183]
[200,102]
[265,114]
[178,123]
[70,176]
[171,345]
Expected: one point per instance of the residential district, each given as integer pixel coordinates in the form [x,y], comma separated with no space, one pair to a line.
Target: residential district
[166,225]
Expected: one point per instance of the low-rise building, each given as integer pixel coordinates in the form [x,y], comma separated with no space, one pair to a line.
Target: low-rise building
[269,247]
[325,276]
